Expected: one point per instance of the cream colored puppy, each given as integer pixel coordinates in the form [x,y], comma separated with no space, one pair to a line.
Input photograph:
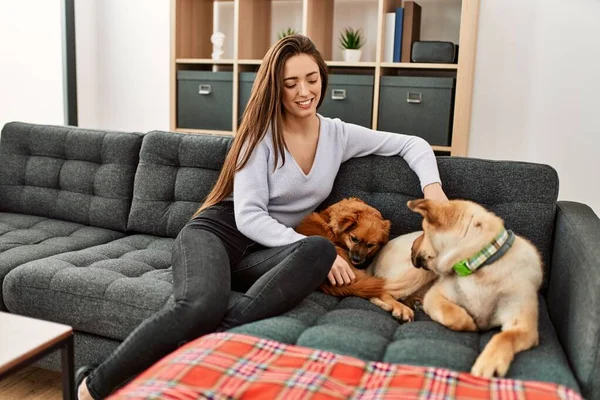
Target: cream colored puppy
[403,281]
[489,278]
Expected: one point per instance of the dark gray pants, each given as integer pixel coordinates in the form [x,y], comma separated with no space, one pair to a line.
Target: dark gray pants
[210,259]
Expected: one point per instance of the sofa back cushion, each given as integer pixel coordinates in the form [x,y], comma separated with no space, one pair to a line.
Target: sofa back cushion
[72,174]
[176,172]
[523,194]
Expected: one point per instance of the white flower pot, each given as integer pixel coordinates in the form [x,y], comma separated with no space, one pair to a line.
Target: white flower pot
[352,55]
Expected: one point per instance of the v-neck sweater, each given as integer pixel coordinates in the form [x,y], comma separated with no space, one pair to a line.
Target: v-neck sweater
[269,202]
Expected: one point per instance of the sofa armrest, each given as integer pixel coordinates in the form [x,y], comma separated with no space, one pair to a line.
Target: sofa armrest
[573,295]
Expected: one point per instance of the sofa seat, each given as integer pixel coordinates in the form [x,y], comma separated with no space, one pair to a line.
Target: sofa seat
[355,327]
[25,238]
[105,290]
[108,290]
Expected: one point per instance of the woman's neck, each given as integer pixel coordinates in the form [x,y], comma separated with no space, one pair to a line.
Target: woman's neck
[300,126]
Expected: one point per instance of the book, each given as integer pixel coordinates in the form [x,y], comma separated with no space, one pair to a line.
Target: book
[388,48]
[398,34]
[411,31]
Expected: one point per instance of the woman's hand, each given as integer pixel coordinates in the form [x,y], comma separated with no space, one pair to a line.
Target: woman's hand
[434,191]
[341,273]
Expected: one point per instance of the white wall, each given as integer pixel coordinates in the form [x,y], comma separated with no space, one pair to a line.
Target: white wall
[31,74]
[123,64]
[536,93]
[537,89]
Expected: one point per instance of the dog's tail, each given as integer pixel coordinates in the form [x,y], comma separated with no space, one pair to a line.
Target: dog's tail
[365,286]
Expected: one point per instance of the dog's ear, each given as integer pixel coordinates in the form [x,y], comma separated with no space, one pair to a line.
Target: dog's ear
[387,225]
[429,209]
[343,222]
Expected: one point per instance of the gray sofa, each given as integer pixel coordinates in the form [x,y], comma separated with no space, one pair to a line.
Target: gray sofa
[88,218]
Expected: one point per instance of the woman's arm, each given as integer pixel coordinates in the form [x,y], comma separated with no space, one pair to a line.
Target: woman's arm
[250,201]
[434,191]
[361,141]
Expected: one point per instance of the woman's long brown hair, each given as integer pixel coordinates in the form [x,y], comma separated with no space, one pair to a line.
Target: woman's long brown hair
[264,107]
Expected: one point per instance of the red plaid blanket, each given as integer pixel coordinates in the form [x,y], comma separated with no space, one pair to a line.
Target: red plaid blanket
[232,366]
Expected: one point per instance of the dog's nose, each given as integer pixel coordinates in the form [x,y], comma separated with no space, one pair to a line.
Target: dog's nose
[419,262]
[356,259]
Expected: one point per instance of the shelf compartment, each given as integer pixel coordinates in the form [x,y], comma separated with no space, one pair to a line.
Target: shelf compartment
[254,37]
[421,106]
[349,97]
[204,100]
[195,22]
[355,14]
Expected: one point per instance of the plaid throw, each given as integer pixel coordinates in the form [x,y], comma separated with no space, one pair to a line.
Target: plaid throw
[232,366]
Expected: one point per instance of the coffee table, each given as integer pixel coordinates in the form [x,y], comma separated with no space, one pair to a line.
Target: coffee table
[24,340]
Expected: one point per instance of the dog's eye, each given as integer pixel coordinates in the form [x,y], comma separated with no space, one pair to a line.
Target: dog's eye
[371,245]
[354,239]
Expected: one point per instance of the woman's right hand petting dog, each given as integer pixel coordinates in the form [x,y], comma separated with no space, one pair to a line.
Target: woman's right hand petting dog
[488,277]
[341,273]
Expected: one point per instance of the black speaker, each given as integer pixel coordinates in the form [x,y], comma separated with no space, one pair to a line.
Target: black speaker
[431,51]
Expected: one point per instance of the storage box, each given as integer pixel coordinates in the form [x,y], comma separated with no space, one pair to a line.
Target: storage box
[420,106]
[349,98]
[204,100]
[245,88]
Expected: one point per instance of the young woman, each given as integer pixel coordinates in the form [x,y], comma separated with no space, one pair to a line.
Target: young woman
[282,164]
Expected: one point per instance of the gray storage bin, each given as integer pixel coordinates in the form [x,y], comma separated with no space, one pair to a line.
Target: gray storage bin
[419,106]
[204,100]
[349,98]
[246,82]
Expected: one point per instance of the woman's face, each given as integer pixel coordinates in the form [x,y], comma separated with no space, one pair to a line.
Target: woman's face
[301,86]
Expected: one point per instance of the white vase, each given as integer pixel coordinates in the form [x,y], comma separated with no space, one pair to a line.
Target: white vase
[352,55]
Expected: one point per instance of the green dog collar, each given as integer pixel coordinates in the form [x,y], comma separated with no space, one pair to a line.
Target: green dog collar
[462,268]
[488,255]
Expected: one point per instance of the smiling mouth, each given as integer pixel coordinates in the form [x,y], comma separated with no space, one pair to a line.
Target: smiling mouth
[305,103]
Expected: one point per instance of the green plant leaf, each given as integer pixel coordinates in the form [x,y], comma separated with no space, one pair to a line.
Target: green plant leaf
[288,32]
[351,39]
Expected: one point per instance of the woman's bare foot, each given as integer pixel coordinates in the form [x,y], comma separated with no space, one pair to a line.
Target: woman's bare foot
[82,391]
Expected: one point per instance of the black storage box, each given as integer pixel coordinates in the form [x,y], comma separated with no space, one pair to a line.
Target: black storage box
[245,88]
[420,106]
[349,98]
[204,100]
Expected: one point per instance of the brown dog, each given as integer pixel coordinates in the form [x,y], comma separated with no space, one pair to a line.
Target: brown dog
[488,277]
[358,232]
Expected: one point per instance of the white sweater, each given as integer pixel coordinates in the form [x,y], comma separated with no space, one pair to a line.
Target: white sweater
[269,203]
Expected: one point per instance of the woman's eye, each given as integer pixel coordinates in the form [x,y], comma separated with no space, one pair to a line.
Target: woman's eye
[290,87]
[312,82]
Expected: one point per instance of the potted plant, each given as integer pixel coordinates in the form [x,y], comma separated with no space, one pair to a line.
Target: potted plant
[351,41]
[287,32]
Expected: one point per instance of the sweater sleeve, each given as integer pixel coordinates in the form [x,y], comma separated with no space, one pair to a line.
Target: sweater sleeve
[361,141]
[250,200]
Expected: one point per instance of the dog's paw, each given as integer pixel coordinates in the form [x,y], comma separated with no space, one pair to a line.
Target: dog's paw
[492,362]
[382,304]
[402,312]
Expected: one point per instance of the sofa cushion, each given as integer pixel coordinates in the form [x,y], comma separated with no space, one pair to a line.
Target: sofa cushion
[356,327]
[106,290]
[28,237]
[66,173]
[523,194]
[175,174]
